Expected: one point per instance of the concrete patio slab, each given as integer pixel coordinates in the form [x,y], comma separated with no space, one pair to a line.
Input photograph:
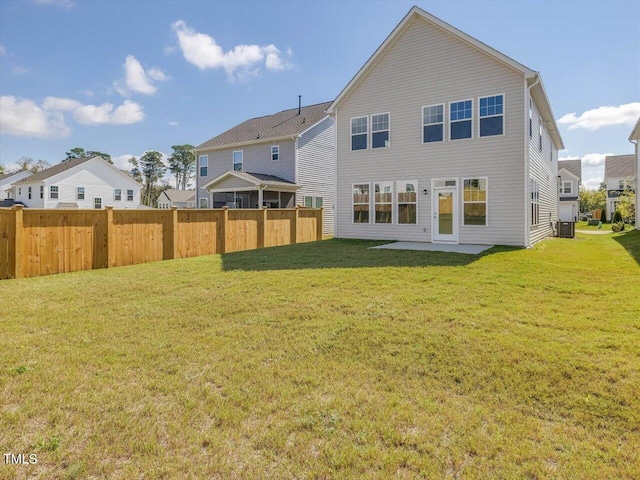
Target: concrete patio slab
[436,247]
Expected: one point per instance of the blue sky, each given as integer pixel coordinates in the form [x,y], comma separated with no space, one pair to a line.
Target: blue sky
[124,77]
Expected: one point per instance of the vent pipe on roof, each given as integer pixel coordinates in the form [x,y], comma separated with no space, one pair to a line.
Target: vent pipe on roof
[299,103]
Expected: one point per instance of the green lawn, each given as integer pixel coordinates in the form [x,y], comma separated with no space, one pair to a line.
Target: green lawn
[329,360]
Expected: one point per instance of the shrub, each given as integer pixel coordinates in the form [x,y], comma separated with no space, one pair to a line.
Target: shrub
[603,216]
[617,226]
[617,217]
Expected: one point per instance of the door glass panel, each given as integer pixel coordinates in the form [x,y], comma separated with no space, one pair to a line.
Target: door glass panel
[445,213]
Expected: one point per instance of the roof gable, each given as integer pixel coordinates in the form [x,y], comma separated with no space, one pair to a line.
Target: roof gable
[180,195]
[287,123]
[572,166]
[620,166]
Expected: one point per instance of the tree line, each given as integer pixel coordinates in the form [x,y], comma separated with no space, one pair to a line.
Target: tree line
[148,170]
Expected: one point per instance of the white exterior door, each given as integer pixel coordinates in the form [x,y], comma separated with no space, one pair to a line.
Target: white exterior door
[445,215]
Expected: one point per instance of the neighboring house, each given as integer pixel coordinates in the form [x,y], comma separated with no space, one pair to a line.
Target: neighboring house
[441,138]
[276,161]
[619,175]
[569,179]
[89,182]
[635,139]
[8,179]
[177,198]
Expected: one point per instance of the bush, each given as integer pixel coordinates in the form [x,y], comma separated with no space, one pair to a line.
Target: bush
[603,216]
[617,217]
[617,226]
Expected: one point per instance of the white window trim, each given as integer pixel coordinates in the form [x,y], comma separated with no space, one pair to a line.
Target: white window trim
[94,203]
[315,202]
[84,193]
[564,187]
[233,160]
[114,195]
[466,119]
[530,118]
[57,197]
[378,131]
[534,186]
[372,193]
[444,121]
[304,201]
[351,134]
[503,115]
[353,204]
[133,195]
[271,150]
[205,200]
[486,201]
[200,157]
[540,142]
[398,202]
[29,193]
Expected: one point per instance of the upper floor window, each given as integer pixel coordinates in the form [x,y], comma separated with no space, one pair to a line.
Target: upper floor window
[407,202]
[530,120]
[460,120]
[491,115]
[53,191]
[475,201]
[129,195]
[117,194]
[79,193]
[359,133]
[275,152]
[237,161]
[433,123]
[204,165]
[540,135]
[380,130]
[566,187]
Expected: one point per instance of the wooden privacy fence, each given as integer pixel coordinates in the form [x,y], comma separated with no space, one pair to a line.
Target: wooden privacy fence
[37,242]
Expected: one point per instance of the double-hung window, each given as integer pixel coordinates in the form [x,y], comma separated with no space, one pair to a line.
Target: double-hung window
[530,120]
[383,201]
[460,123]
[275,152]
[97,203]
[540,134]
[361,203]
[41,191]
[117,194]
[433,123]
[359,133]
[203,162]
[475,201]
[380,130]
[29,193]
[204,203]
[308,201]
[407,202]
[237,161]
[318,202]
[79,193]
[491,115]
[129,195]
[534,188]
[566,187]
[53,191]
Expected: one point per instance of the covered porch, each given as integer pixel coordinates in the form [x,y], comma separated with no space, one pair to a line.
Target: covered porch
[250,190]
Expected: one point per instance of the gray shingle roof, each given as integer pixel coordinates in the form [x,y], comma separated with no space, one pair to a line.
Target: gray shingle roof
[56,169]
[620,166]
[180,195]
[281,124]
[271,179]
[573,166]
[7,175]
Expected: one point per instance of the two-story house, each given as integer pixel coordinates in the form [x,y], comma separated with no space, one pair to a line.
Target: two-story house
[275,161]
[635,139]
[619,175]
[8,179]
[569,180]
[177,198]
[88,182]
[441,138]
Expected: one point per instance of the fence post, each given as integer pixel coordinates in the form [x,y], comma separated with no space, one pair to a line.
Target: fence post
[223,229]
[262,228]
[319,224]
[294,225]
[111,250]
[171,237]
[18,271]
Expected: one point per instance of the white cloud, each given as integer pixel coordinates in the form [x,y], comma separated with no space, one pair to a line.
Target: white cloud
[137,79]
[68,4]
[23,118]
[174,123]
[127,113]
[626,114]
[122,161]
[61,104]
[243,61]
[87,93]
[592,183]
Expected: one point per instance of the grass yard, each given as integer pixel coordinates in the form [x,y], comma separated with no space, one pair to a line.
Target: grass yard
[585,226]
[329,360]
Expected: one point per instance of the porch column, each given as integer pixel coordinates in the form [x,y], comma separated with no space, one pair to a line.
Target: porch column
[260,197]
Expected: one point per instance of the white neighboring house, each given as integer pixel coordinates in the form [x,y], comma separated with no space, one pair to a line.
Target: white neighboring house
[177,198]
[8,179]
[569,179]
[441,138]
[619,175]
[89,182]
[635,139]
